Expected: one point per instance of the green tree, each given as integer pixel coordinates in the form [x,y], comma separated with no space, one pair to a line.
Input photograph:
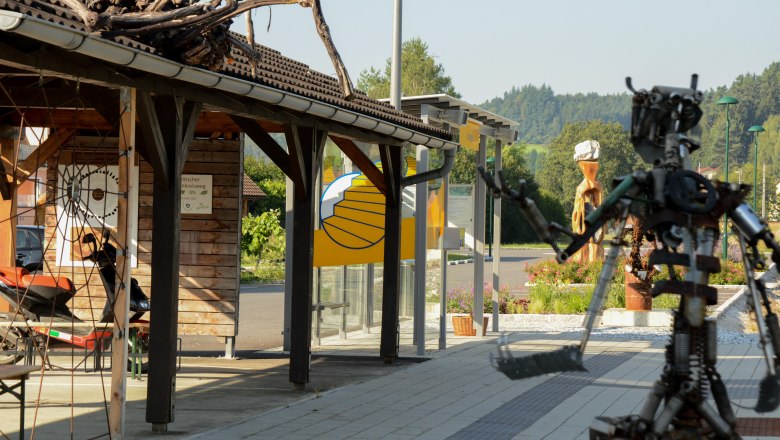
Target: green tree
[465,168]
[560,175]
[514,226]
[272,181]
[420,74]
[259,232]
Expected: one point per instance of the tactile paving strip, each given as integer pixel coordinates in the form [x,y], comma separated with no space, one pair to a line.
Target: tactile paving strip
[526,409]
[758,426]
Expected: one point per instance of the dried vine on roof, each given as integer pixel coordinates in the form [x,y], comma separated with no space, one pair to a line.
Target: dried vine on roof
[195,33]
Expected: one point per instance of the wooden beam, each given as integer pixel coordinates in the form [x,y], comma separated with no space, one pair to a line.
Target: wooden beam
[59,62]
[177,119]
[103,99]
[297,162]
[37,158]
[391,286]
[362,161]
[116,416]
[190,117]
[309,148]
[7,210]
[388,170]
[155,146]
[266,143]
[7,168]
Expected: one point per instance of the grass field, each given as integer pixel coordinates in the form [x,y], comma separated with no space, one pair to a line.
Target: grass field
[537,147]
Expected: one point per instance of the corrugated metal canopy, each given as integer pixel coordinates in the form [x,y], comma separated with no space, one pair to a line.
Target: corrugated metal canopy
[412,105]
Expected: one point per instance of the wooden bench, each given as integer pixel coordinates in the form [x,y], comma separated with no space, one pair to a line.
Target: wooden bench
[18,373]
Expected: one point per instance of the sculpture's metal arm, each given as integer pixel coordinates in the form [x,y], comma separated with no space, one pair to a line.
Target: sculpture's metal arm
[617,205]
[750,229]
[548,231]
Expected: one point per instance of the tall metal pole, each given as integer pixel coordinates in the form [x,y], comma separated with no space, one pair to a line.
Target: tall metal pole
[445,184]
[726,217]
[763,193]
[755,172]
[495,220]
[395,65]
[479,238]
[755,130]
[420,248]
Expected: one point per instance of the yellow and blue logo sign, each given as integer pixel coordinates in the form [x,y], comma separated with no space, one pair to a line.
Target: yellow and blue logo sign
[352,223]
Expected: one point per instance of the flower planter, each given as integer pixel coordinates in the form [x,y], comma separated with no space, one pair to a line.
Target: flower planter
[638,295]
[463,325]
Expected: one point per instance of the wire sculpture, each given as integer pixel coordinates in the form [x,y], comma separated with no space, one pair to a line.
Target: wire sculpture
[55,318]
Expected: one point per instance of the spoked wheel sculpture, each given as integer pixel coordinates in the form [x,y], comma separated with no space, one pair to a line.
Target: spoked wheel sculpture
[65,188]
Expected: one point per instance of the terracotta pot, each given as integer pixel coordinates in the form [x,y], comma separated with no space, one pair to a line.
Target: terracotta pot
[638,295]
[464,325]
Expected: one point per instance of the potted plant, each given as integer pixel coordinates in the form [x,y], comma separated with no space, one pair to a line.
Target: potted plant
[461,300]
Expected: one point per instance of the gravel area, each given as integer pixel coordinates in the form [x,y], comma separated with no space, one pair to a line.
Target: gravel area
[640,333]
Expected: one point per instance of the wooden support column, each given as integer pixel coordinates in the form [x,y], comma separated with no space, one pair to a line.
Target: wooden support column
[305,146]
[116,416]
[174,126]
[7,209]
[391,287]
[362,161]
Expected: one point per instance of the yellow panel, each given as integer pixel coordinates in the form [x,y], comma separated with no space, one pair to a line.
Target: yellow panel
[469,135]
[330,253]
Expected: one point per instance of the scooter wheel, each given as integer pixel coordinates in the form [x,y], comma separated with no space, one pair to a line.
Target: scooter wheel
[9,346]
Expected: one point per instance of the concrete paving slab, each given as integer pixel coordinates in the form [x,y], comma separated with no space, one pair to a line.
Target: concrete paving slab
[456,394]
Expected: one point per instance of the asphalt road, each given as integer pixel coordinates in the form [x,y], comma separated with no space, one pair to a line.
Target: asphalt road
[261,307]
[512,270]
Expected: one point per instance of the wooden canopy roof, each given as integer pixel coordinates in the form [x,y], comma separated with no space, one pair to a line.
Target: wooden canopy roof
[44,39]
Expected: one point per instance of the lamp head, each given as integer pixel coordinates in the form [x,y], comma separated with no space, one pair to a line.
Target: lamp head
[726,100]
[756,129]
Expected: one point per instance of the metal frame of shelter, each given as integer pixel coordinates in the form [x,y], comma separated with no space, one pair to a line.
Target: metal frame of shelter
[173,101]
[451,113]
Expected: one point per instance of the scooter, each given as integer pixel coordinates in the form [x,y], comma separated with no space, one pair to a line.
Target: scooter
[43,299]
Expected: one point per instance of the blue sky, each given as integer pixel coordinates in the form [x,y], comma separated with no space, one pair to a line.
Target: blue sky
[574,46]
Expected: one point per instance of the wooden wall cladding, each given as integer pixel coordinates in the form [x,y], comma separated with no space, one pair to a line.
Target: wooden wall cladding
[209,250]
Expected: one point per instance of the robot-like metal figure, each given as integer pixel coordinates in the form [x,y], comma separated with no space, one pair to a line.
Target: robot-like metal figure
[680,209]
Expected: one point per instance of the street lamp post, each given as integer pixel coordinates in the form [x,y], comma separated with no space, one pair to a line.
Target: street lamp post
[727,101]
[491,162]
[756,129]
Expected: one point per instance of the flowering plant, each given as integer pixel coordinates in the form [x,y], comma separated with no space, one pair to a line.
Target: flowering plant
[461,299]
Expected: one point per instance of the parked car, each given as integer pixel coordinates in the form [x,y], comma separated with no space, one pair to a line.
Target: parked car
[29,247]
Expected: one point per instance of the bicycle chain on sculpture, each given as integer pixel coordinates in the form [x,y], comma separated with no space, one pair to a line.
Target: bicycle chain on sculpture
[681,209]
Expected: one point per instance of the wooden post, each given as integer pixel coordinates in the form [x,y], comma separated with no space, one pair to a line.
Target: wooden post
[391,287]
[7,210]
[116,416]
[305,145]
[173,123]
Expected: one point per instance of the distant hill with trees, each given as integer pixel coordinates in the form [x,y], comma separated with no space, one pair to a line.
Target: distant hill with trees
[545,116]
[542,114]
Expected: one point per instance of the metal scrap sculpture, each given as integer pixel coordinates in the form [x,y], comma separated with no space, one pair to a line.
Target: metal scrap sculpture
[193,32]
[680,209]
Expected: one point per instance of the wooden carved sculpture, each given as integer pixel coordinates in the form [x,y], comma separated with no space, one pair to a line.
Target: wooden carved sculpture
[587,198]
[193,32]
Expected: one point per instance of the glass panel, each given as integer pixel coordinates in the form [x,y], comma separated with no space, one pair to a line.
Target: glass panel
[21,239]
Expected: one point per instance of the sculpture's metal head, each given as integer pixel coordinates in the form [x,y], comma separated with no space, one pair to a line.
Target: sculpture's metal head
[661,111]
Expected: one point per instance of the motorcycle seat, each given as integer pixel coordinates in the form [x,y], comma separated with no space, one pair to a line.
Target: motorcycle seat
[45,286]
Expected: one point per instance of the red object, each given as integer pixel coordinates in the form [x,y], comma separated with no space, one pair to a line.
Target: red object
[638,295]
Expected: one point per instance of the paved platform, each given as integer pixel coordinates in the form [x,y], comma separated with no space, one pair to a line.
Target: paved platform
[458,395]
[455,394]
